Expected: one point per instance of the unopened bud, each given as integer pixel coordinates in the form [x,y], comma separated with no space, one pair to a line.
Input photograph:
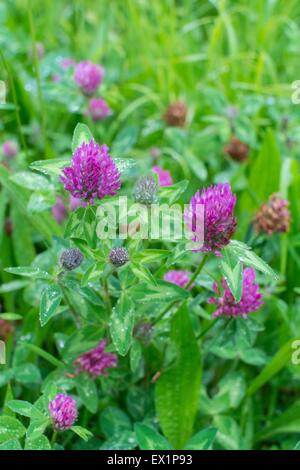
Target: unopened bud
[71,259]
[145,191]
[119,256]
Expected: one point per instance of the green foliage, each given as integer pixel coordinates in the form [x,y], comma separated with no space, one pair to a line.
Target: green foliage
[203,440]
[121,327]
[50,301]
[177,404]
[183,381]
[81,134]
[269,175]
[273,367]
[10,428]
[87,392]
[288,422]
[149,439]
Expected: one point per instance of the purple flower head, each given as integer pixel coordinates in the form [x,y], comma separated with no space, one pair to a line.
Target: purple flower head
[98,109]
[10,148]
[67,63]
[59,211]
[96,361]
[155,152]
[180,278]
[88,76]
[250,302]
[92,174]
[164,176]
[63,411]
[219,222]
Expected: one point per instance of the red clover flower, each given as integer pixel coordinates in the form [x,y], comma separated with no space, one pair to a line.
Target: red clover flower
[98,109]
[250,302]
[178,277]
[92,174]
[63,411]
[219,221]
[10,148]
[164,176]
[96,361]
[88,76]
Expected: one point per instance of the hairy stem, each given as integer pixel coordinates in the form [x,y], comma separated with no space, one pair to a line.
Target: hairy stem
[197,272]
[203,333]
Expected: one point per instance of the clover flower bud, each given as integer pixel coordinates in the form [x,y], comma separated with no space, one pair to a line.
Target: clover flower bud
[145,191]
[10,148]
[119,256]
[70,259]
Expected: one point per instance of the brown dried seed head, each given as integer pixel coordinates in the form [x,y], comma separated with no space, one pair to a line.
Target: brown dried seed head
[6,328]
[273,216]
[175,114]
[237,150]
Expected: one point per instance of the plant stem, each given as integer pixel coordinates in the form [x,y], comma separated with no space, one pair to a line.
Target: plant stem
[53,438]
[106,296]
[165,310]
[229,321]
[68,302]
[203,333]
[197,272]
[283,253]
